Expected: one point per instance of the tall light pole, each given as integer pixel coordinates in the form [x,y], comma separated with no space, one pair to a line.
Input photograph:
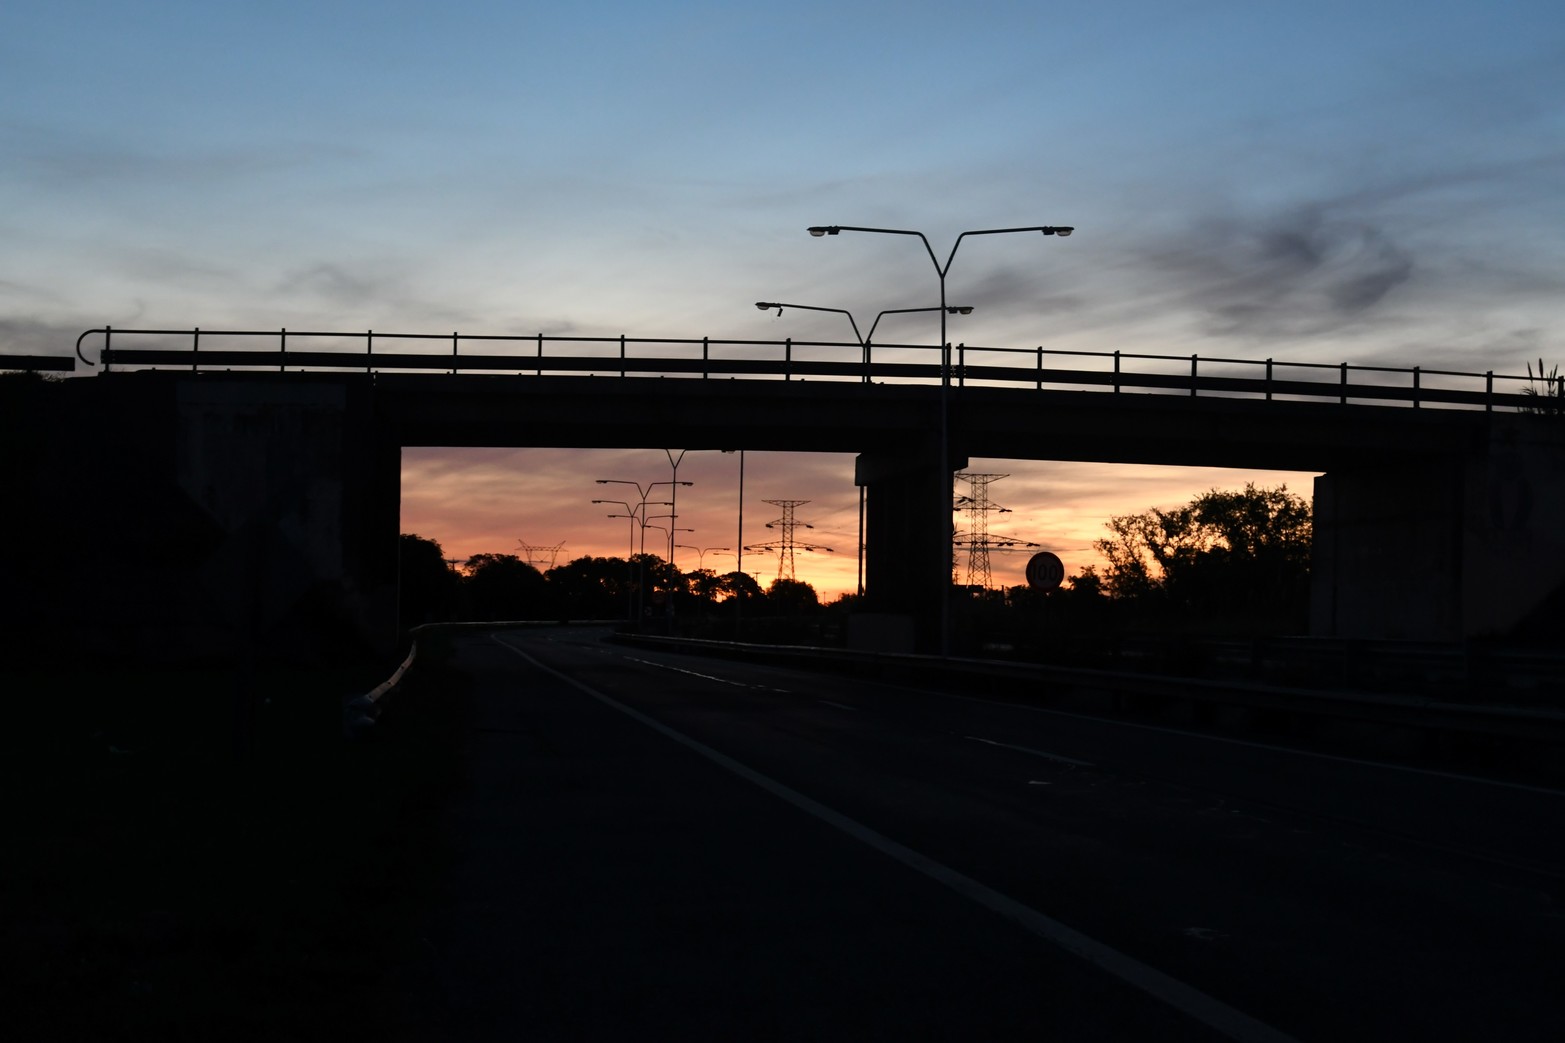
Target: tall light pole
[673,463]
[864,342]
[739,543]
[945,381]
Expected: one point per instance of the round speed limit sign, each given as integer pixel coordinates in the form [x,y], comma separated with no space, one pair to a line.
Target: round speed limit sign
[1045,571]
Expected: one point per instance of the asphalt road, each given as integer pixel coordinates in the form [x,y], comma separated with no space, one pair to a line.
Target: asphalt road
[655,846]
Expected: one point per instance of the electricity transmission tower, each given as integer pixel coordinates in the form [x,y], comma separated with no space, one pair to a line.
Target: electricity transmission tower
[785,546]
[536,556]
[977,539]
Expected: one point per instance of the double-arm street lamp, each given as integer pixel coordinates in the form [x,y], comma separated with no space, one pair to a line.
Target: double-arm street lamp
[941,271]
[702,552]
[866,338]
[643,491]
[634,513]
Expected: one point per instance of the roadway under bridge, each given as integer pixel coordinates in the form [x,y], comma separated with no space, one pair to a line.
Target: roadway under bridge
[189,512]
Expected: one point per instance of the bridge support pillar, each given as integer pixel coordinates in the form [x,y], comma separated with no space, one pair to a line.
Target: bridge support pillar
[907,546]
[1445,549]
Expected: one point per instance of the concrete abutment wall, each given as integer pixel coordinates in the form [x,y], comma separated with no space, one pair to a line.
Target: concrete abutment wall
[189,519]
[1443,548]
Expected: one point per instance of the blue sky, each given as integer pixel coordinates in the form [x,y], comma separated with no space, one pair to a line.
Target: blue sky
[1372,183]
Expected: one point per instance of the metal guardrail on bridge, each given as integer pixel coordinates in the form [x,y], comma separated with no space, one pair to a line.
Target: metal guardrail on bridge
[706,358]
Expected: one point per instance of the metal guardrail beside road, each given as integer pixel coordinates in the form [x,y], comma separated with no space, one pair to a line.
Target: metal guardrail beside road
[705,358]
[1527,740]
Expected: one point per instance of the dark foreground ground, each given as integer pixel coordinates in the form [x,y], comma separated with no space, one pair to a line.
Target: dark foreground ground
[170,877]
[510,856]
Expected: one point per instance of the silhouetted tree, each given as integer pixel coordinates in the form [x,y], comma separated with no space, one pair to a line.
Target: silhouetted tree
[593,588]
[742,586]
[1225,554]
[791,597]
[428,587]
[503,586]
[705,586]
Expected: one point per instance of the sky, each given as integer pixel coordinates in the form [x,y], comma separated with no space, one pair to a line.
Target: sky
[1378,184]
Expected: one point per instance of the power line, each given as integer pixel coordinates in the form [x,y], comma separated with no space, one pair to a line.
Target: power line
[536,556]
[977,539]
[785,546]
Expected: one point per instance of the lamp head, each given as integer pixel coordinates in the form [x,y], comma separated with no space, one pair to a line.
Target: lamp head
[1062,231]
[961,310]
[819,230]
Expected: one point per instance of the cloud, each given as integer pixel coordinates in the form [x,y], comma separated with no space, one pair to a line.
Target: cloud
[57,160]
[28,336]
[1298,274]
[337,284]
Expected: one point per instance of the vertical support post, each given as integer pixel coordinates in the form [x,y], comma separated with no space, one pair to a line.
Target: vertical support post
[453,353]
[282,349]
[108,331]
[1488,392]
[961,365]
[539,371]
[1268,380]
[621,362]
[1116,372]
[788,359]
[195,347]
[1343,396]
[705,356]
[1040,368]
[1415,387]
[369,351]
[1192,376]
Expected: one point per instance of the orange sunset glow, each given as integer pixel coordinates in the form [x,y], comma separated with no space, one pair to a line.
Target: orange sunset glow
[477,501]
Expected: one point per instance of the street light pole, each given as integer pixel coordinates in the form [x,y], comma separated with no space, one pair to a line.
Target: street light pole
[866,339]
[864,343]
[945,380]
[702,552]
[673,463]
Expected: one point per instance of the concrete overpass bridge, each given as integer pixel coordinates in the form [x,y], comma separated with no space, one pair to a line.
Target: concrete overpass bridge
[252,477]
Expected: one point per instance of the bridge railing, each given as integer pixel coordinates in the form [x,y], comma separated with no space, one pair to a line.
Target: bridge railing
[1040,368]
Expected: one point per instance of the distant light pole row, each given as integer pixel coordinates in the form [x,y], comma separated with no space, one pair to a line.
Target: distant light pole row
[637,516]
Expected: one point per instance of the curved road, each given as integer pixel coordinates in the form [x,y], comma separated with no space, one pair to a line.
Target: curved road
[657,846]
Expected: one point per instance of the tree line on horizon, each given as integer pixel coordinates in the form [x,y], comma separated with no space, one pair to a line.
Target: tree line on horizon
[1229,560]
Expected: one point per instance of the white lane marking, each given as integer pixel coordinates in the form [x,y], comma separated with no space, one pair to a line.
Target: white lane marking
[1035,753]
[704,677]
[1552,791]
[1210,1011]
[840,706]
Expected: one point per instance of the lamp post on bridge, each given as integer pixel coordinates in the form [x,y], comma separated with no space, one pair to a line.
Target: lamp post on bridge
[864,343]
[865,339]
[941,270]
